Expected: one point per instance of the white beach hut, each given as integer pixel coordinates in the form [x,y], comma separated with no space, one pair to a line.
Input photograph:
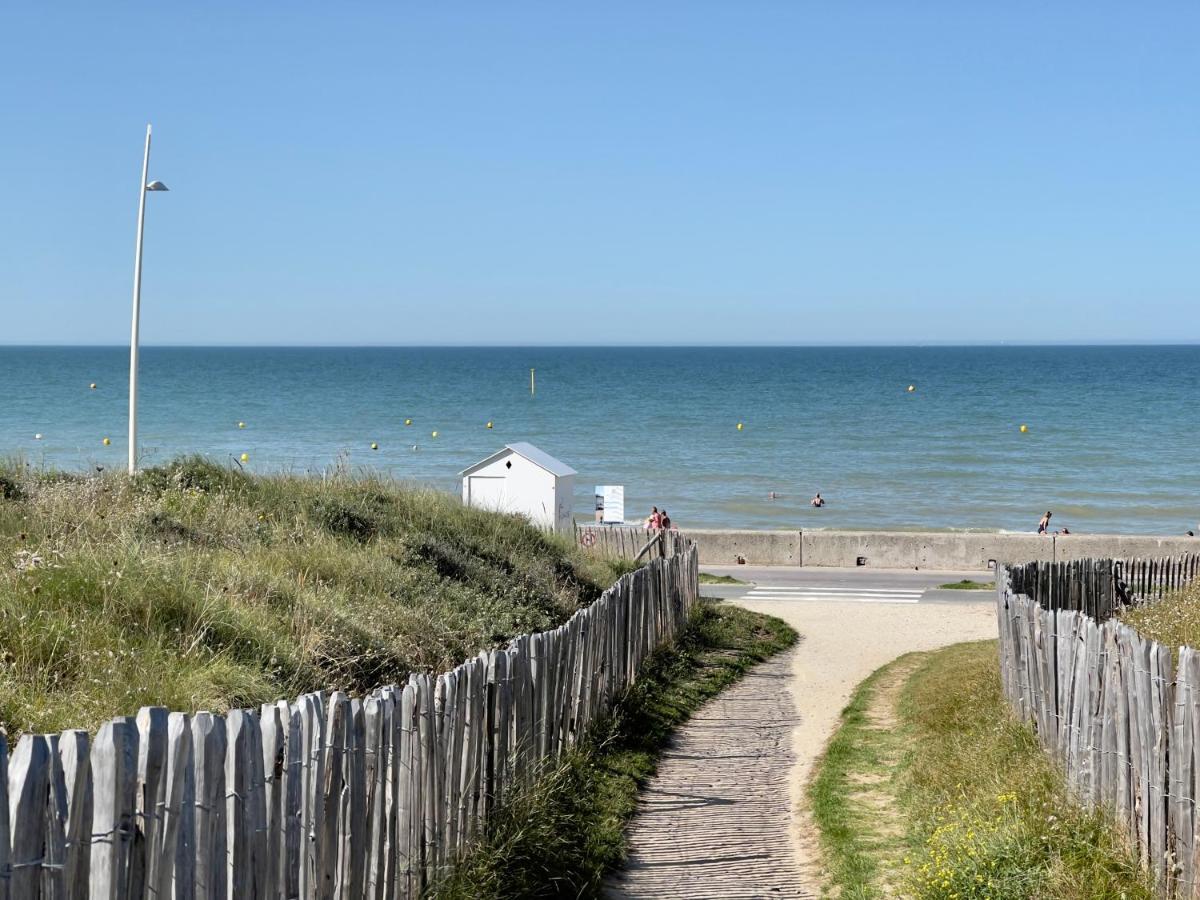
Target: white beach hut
[522,479]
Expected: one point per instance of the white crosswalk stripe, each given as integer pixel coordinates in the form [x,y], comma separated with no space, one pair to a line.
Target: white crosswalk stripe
[836,594]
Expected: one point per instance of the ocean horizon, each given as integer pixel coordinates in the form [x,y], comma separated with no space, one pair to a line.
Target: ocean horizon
[1110,444]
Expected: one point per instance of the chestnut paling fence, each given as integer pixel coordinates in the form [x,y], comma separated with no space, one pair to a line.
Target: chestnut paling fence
[1119,713]
[327,796]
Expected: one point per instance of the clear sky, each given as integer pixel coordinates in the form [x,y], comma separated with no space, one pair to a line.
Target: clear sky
[690,172]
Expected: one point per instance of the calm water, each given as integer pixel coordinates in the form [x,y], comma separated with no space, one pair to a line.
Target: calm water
[1112,441]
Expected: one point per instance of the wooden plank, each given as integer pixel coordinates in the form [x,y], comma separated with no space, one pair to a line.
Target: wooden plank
[113,761]
[311,708]
[1161,678]
[174,842]
[407,802]
[54,885]
[273,744]
[77,778]
[1192,787]
[208,755]
[28,788]
[374,755]
[354,829]
[151,784]
[333,750]
[1180,777]
[245,810]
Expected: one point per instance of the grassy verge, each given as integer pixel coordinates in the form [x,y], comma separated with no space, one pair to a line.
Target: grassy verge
[932,790]
[968,585]
[709,578]
[197,586]
[558,839]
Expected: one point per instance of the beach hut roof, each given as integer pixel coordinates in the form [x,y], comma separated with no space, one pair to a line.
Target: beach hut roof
[538,457]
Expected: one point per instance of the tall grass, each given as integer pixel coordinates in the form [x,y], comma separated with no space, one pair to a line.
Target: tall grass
[939,793]
[195,586]
[989,810]
[1173,620]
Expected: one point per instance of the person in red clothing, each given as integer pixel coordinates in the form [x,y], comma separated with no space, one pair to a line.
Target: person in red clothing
[654,522]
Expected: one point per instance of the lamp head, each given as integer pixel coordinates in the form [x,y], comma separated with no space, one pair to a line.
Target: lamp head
[156,186]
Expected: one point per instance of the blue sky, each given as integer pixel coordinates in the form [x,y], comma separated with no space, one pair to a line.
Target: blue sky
[687,172]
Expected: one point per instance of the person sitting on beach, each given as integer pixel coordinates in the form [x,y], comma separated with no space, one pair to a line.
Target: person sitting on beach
[818,501]
[654,522]
[665,522]
[1044,525]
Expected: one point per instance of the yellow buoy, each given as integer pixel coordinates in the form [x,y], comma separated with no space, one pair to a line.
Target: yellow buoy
[92,385]
[739,426]
[374,446]
[911,388]
[241,424]
[245,457]
[489,424]
[408,421]
[1024,428]
[107,442]
[433,434]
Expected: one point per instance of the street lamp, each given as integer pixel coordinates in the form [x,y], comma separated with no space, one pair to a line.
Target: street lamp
[143,187]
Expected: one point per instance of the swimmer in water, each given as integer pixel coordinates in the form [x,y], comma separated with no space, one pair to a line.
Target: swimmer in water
[818,501]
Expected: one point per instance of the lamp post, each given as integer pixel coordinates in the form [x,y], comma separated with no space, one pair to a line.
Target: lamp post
[137,302]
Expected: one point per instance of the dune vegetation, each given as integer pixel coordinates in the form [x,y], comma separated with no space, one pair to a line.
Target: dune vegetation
[932,789]
[197,586]
[1173,621]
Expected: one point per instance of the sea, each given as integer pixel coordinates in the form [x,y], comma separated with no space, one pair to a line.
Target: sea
[899,438]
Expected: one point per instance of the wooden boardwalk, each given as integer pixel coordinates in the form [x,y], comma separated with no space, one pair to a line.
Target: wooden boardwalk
[716,820]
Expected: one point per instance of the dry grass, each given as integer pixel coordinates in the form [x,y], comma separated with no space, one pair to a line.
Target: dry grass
[199,587]
[1173,621]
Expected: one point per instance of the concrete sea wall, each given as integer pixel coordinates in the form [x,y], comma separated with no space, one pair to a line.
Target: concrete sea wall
[921,550]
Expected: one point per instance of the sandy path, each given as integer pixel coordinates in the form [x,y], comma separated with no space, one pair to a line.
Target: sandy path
[843,644]
[724,816]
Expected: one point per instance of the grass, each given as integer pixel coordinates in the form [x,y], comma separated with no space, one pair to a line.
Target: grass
[559,839]
[196,586]
[858,752]
[961,801]
[709,578]
[1173,621]
[968,585]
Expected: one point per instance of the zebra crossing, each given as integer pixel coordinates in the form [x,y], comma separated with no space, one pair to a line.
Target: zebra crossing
[823,593]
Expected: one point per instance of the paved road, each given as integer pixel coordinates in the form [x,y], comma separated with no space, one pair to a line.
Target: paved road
[791,583]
